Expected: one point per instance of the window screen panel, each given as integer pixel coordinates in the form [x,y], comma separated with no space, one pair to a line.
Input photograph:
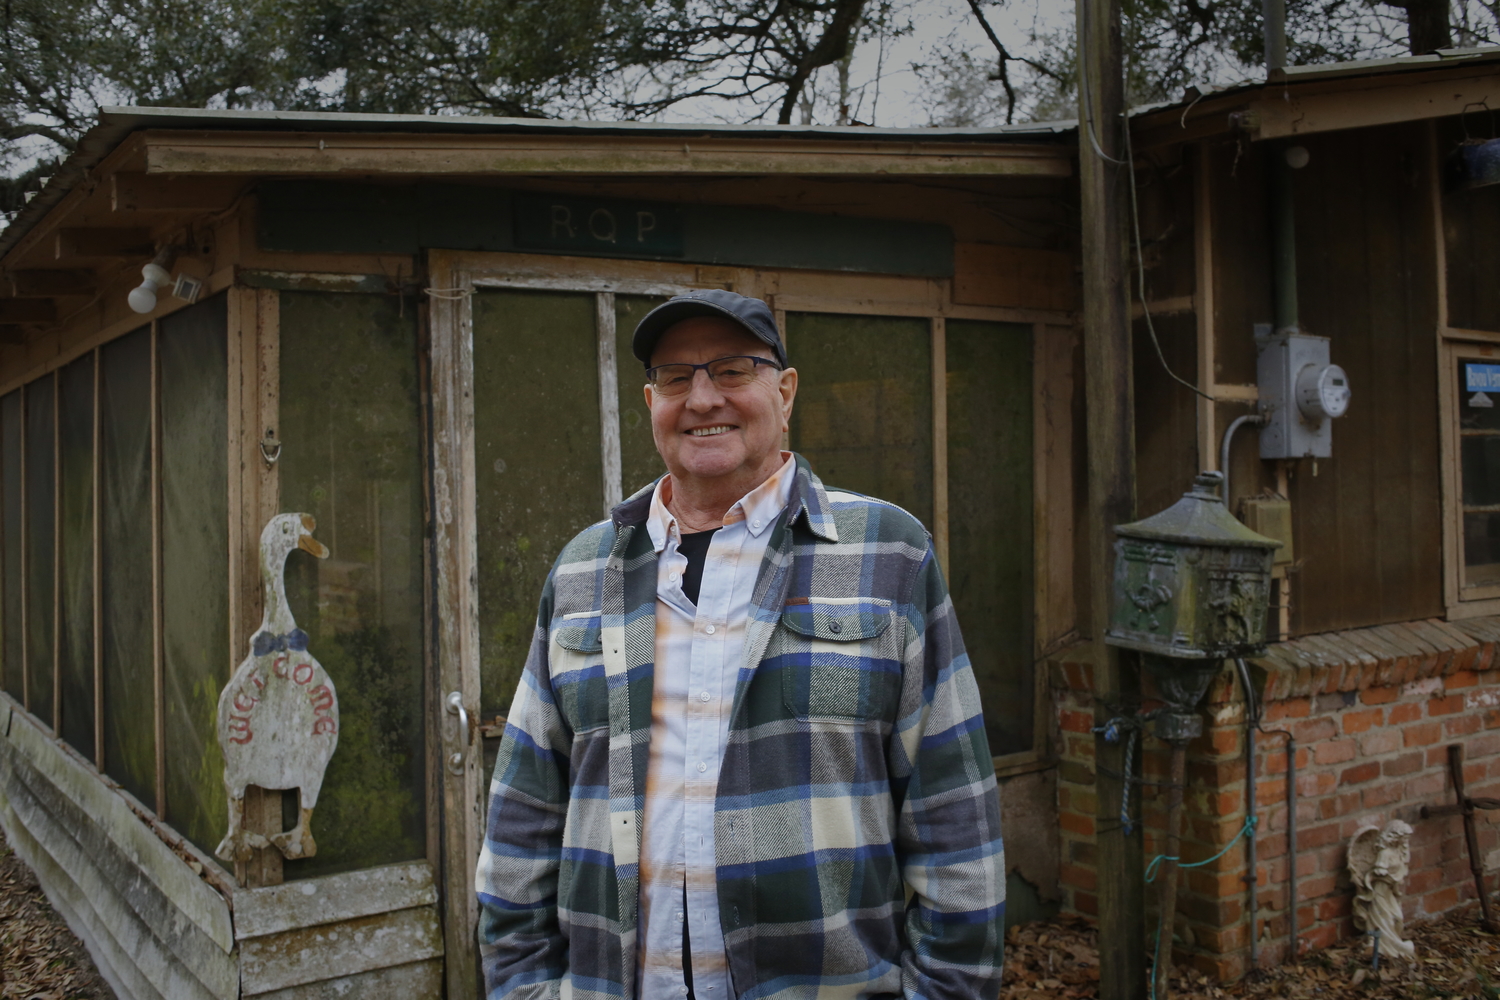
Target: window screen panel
[863,414]
[10,473]
[1479,464]
[640,463]
[193,361]
[41,545]
[75,638]
[126,570]
[990,519]
[539,475]
[351,457]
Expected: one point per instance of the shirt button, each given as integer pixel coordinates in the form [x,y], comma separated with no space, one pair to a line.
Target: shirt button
[672,578]
[755,524]
[703,696]
[709,630]
[702,766]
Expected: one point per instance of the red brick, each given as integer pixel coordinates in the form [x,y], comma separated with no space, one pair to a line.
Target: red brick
[1445,706]
[1482,746]
[1335,751]
[1317,836]
[1076,722]
[1319,937]
[1310,731]
[1382,794]
[1378,695]
[1407,763]
[1463,725]
[1290,708]
[1426,785]
[1360,773]
[1338,805]
[1086,903]
[1442,899]
[1312,785]
[1424,735]
[1358,722]
[1405,712]
[1380,741]
[1074,823]
[1078,877]
[1462,679]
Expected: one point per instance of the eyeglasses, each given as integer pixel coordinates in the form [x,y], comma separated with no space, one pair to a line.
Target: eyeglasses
[726,373]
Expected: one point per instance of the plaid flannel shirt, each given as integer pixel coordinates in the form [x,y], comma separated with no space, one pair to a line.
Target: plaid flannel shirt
[858,820]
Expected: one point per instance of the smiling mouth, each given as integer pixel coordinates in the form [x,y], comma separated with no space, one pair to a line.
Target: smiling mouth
[710,431]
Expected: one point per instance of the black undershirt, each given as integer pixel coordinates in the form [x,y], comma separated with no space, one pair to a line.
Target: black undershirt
[695,547]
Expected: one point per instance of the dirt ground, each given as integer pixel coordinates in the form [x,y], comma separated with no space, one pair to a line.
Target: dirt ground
[40,959]
[1059,960]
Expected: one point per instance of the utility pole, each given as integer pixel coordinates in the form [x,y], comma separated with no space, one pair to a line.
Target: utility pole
[1108,384]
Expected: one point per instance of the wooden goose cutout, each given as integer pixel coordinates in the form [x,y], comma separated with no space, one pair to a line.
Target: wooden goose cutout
[278,716]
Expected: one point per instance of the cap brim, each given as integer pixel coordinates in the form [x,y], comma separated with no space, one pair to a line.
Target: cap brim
[659,320]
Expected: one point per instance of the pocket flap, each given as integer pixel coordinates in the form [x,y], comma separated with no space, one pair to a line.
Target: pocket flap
[580,633]
[843,619]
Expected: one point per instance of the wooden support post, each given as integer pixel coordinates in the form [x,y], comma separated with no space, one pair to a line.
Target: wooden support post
[262,816]
[1108,386]
[1167,901]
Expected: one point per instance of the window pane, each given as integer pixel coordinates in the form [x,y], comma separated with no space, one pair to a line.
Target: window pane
[125,576]
[1479,461]
[639,461]
[539,476]
[351,457]
[990,519]
[10,467]
[195,562]
[863,415]
[41,542]
[75,436]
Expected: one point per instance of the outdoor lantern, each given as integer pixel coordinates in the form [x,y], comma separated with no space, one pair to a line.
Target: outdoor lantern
[1192,585]
[1475,164]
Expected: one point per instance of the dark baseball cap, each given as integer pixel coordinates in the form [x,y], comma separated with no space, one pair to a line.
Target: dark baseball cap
[752,314]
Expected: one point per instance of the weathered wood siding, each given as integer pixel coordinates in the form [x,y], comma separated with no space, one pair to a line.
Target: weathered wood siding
[1368,525]
[369,933]
[154,927]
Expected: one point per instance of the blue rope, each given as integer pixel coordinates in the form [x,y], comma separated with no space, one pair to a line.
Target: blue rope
[1154,869]
[1111,733]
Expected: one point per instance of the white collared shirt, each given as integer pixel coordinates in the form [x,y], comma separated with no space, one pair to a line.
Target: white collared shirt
[698,653]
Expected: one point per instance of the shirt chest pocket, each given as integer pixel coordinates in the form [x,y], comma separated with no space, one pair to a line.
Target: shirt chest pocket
[578,671]
[841,659]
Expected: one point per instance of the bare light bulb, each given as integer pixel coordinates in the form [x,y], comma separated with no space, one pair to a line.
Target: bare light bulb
[142,298]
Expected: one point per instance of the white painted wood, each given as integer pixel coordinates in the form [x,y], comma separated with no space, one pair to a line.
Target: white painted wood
[331,951]
[609,400]
[332,899]
[169,874]
[415,981]
[278,720]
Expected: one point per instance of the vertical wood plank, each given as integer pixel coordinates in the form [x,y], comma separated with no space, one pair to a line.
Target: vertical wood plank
[940,439]
[1203,306]
[57,569]
[1056,605]
[1449,484]
[609,400]
[432,740]
[25,572]
[97,582]
[455,545]
[158,651]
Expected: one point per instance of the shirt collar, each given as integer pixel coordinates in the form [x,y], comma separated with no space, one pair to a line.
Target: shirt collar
[759,508]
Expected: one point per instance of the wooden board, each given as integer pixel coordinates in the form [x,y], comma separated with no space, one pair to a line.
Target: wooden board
[336,951]
[414,980]
[985,274]
[332,899]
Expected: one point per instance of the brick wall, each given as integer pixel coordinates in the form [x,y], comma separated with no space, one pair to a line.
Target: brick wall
[1372,712]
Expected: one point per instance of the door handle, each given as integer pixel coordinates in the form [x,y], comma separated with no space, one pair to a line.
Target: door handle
[455,705]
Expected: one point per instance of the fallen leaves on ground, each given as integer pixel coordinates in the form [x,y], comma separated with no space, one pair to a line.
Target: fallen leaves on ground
[1059,960]
[40,959]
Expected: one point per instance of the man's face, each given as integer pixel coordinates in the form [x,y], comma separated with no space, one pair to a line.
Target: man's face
[709,433]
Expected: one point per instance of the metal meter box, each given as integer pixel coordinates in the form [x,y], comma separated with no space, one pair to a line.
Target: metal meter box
[1301,394]
[1191,582]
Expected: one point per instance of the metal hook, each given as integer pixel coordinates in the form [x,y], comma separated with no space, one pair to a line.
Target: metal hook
[270,448]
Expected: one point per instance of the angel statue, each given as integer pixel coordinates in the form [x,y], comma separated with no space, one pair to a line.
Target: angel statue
[1378,862]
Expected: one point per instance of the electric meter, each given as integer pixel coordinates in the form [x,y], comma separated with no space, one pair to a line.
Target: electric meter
[1322,391]
[1301,394]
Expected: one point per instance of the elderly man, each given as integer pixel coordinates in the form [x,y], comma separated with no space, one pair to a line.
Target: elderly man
[746,757]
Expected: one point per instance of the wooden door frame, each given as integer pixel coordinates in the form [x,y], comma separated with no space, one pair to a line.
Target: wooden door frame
[454,276]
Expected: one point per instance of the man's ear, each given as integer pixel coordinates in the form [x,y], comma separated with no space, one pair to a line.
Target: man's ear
[788,388]
[649,393]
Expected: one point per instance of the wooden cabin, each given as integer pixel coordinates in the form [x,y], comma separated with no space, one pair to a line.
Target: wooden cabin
[415,330]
